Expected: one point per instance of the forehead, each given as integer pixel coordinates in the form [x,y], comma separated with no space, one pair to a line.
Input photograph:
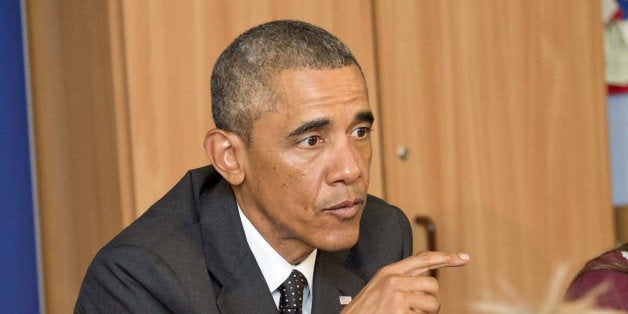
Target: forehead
[307,91]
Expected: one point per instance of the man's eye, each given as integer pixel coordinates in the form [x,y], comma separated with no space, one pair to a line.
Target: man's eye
[361,132]
[310,141]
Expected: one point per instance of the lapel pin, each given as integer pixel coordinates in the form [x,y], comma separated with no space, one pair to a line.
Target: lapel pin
[345,299]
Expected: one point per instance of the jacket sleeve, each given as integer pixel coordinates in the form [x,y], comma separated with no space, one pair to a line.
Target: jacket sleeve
[129,279]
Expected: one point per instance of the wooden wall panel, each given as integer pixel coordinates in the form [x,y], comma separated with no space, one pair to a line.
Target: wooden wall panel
[501,104]
[74,120]
[170,49]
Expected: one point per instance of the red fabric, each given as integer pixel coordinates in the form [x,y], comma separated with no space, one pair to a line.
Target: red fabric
[619,15]
[614,89]
[616,297]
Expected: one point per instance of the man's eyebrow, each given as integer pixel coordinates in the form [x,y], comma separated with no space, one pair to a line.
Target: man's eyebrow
[364,116]
[309,126]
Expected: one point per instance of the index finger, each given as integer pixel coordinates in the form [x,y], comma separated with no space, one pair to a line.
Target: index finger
[424,261]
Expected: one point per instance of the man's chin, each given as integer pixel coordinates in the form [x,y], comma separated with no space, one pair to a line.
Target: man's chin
[340,242]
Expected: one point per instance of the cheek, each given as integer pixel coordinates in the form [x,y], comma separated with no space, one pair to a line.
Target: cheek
[301,175]
[366,152]
[303,185]
[287,185]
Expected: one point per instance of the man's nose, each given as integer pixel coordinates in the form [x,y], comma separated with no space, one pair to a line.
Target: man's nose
[346,166]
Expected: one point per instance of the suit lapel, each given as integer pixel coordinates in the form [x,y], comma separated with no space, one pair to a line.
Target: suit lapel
[332,280]
[228,256]
[241,285]
[246,291]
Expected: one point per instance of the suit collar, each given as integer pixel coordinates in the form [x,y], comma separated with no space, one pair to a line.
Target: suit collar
[230,260]
[228,257]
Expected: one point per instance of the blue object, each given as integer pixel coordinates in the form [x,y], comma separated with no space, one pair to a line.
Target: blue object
[624,7]
[18,254]
[618,131]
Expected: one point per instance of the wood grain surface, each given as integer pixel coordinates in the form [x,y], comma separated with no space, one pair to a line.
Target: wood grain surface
[501,105]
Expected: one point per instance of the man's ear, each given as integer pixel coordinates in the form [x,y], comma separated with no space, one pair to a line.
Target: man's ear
[221,147]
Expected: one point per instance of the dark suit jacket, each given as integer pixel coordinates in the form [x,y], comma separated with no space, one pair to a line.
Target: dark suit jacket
[188,254]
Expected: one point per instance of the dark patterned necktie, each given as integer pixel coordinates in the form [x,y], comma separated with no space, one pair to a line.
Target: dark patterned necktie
[291,291]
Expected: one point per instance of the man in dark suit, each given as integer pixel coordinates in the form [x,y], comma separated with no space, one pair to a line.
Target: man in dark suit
[282,219]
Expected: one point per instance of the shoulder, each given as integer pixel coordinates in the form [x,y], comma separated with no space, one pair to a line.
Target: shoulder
[175,214]
[169,229]
[608,272]
[125,277]
[385,237]
[596,277]
[613,285]
[159,257]
[380,216]
[377,208]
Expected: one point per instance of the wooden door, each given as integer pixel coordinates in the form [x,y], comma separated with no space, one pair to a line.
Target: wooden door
[169,50]
[500,105]
[79,190]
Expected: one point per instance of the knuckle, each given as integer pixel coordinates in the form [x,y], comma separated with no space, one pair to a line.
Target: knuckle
[381,272]
[428,257]
[431,283]
[425,255]
[432,304]
[391,282]
[436,259]
[385,271]
[432,288]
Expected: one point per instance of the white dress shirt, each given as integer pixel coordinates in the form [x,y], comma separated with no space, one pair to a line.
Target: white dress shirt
[274,267]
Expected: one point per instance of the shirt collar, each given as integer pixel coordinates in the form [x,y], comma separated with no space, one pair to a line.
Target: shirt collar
[273,266]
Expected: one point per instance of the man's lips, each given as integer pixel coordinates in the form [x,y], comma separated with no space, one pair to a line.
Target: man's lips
[346,209]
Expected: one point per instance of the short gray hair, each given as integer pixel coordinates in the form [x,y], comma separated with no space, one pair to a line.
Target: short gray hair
[242,79]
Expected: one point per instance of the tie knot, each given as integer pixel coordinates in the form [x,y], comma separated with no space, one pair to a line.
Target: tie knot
[291,291]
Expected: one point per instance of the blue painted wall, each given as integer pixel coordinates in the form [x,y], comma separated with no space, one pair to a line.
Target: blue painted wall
[618,131]
[18,257]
